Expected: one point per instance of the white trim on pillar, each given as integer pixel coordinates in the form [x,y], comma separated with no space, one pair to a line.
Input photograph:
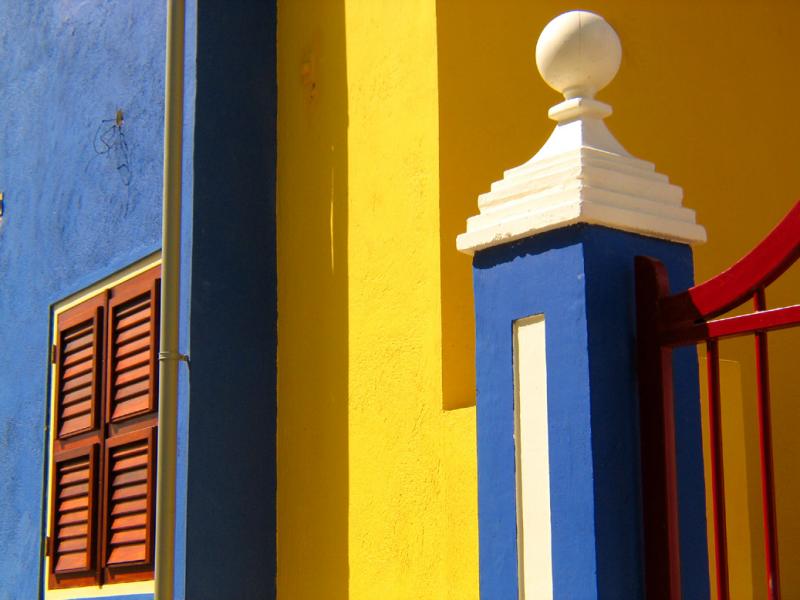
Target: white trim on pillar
[582,174]
[534,546]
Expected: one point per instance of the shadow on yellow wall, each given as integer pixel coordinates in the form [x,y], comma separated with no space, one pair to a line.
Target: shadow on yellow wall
[741,473]
[700,93]
[376,484]
[742,466]
[312,197]
[492,116]
[690,96]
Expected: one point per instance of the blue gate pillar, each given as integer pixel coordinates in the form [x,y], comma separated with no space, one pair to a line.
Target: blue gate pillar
[554,243]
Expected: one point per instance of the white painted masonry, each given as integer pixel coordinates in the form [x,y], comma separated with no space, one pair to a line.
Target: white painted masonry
[582,174]
[533,460]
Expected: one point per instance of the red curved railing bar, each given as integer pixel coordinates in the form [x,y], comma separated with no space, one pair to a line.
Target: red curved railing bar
[665,321]
[731,288]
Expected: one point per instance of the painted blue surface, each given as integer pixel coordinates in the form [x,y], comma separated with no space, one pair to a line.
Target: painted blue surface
[231,479]
[70,218]
[512,282]
[688,443]
[73,217]
[581,279]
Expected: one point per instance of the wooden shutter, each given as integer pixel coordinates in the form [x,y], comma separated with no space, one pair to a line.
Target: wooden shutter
[129,499]
[133,348]
[79,359]
[73,525]
[104,446]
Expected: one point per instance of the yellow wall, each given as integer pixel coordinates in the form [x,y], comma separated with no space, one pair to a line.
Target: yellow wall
[393,117]
[743,512]
[412,510]
[377,484]
[312,444]
[692,95]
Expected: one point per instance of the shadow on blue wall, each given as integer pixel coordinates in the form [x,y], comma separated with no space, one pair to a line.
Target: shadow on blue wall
[230,518]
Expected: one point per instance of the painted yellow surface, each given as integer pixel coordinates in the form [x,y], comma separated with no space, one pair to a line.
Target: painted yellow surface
[399,458]
[377,484]
[312,196]
[743,510]
[692,95]
[117,589]
[393,117]
[106,591]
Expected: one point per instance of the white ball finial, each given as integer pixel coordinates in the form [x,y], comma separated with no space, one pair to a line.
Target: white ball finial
[578,54]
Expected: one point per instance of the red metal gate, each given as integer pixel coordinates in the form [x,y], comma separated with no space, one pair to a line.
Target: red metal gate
[666,321]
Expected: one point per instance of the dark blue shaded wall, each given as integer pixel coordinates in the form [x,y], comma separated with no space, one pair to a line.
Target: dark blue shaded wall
[230,518]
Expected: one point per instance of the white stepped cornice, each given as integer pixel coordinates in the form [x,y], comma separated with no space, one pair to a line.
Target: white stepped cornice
[582,174]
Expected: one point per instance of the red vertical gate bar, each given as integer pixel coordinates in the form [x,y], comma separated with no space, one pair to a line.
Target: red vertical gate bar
[765,443]
[657,435]
[717,470]
[665,321]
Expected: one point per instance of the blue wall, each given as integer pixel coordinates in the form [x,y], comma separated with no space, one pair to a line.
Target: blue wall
[230,518]
[511,282]
[72,216]
[581,278]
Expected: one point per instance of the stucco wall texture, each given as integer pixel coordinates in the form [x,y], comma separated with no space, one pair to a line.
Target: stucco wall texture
[376,469]
[377,487]
[71,216]
[82,201]
[582,279]
[389,111]
[690,97]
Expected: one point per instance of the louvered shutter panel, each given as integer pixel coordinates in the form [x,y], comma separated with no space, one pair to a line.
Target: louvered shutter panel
[79,367]
[130,495]
[133,349]
[72,529]
[104,439]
